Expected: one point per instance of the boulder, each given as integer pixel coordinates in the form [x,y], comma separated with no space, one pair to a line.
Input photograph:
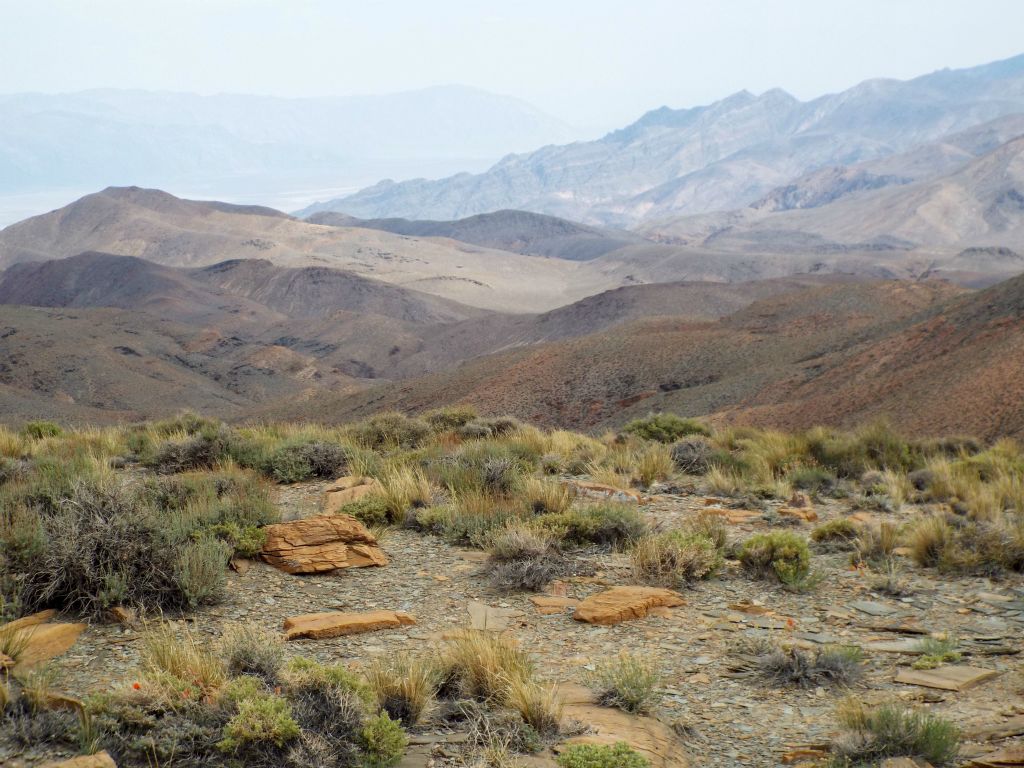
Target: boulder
[625,603]
[99,760]
[320,544]
[318,626]
[345,490]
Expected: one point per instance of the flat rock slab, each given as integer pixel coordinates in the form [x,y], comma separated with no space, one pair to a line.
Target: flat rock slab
[486,617]
[908,645]
[624,604]
[609,492]
[872,609]
[43,641]
[345,490]
[1003,758]
[321,544]
[548,605]
[952,678]
[650,737]
[318,626]
[99,760]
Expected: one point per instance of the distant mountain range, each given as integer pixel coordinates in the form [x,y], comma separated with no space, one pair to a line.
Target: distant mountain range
[722,156]
[245,145]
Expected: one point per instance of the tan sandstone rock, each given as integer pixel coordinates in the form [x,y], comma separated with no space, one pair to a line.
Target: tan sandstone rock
[608,492]
[345,490]
[625,603]
[321,543]
[318,626]
[548,605]
[42,640]
[99,760]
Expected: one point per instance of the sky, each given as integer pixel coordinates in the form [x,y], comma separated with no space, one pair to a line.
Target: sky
[597,64]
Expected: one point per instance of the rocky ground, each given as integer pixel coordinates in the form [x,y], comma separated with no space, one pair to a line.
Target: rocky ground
[724,714]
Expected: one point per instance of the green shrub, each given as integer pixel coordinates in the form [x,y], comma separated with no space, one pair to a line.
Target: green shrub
[199,572]
[452,417]
[621,755]
[523,557]
[606,523]
[693,455]
[813,479]
[839,534]
[384,742]
[781,554]
[675,558]
[390,431]
[891,730]
[305,461]
[203,450]
[260,721]
[37,430]
[664,428]
[627,682]
[249,650]
[371,510]
[483,428]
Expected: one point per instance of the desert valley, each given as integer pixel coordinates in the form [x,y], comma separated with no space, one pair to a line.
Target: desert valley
[699,443]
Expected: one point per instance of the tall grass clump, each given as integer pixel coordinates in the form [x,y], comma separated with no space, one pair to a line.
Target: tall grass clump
[874,733]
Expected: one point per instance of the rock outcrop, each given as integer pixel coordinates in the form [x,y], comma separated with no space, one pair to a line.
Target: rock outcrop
[320,544]
[620,604]
[317,626]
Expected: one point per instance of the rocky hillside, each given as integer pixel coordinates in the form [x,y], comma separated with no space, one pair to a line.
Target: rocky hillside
[716,157]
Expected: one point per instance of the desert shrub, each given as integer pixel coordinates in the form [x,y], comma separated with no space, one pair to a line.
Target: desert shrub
[384,742]
[619,755]
[873,446]
[546,496]
[404,687]
[693,455]
[260,720]
[874,544]
[250,650]
[664,427]
[482,428]
[832,665]
[836,535]
[371,510]
[404,488]
[101,547]
[176,662]
[653,462]
[203,450]
[813,479]
[481,665]
[390,431]
[936,651]
[499,732]
[781,554]
[606,523]
[37,430]
[523,557]
[304,461]
[538,704]
[473,515]
[930,540]
[675,558]
[711,525]
[891,730]
[627,682]
[452,417]
[725,482]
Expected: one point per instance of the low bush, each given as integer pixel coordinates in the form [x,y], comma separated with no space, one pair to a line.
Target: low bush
[371,510]
[874,733]
[305,461]
[404,687]
[202,450]
[693,455]
[781,554]
[675,558]
[936,651]
[260,720]
[838,665]
[619,755]
[452,417]
[523,558]
[627,682]
[606,523]
[664,428]
[389,431]
[37,430]
[249,650]
[836,535]
[383,742]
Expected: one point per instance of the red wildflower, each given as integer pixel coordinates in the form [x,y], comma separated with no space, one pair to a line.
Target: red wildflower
[136,686]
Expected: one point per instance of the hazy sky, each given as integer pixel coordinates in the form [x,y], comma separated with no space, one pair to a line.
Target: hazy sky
[596,63]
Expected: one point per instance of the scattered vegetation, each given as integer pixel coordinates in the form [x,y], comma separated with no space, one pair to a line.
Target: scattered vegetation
[664,428]
[524,557]
[627,682]
[874,733]
[831,665]
[675,558]
[619,755]
[780,554]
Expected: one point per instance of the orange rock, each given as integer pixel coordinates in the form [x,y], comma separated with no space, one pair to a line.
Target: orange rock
[625,603]
[318,626]
[99,760]
[548,605]
[45,642]
[734,516]
[601,491]
[807,514]
[345,490]
[321,543]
